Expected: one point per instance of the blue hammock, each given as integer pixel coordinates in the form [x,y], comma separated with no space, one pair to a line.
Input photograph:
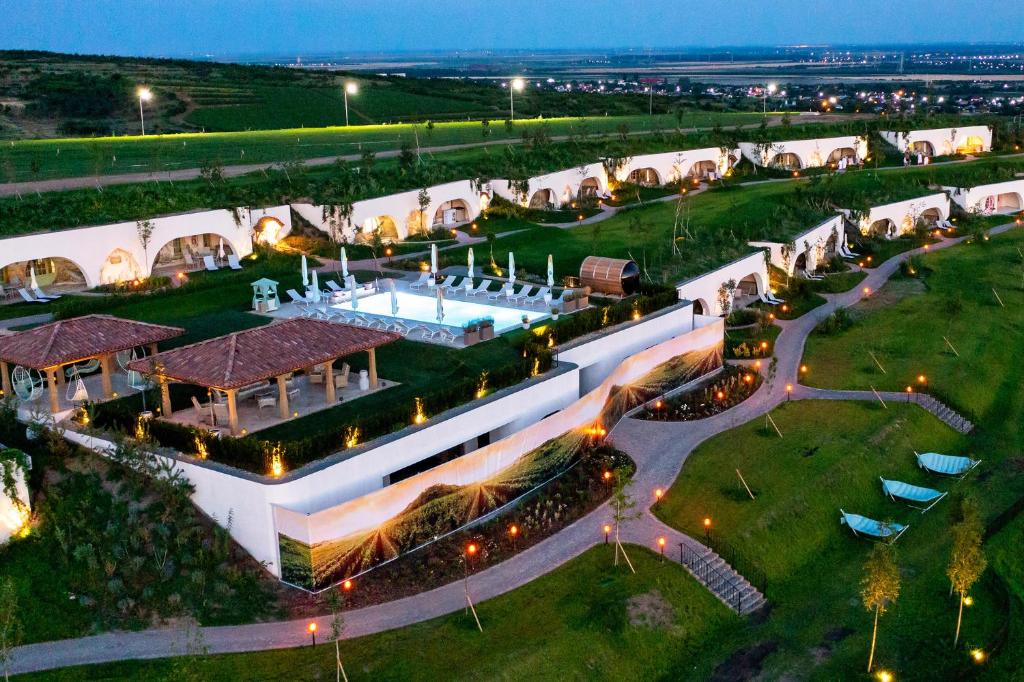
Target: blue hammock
[912,494]
[947,465]
[862,525]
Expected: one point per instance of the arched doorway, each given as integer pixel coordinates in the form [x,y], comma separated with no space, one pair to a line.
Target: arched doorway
[187,252]
[972,145]
[542,199]
[589,188]
[700,307]
[646,177]
[50,272]
[930,216]
[831,245]
[120,266]
[702,169]
[749,286]
[384,225]
[837,155]
[1008,202]
[922,147]
[801,262]
[882,228]
[453,212]
[786,161]
[267,230]
[485,200]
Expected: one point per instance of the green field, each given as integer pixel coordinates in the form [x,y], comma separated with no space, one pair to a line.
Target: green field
[586,619]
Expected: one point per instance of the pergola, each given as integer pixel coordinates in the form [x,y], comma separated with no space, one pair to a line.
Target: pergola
[49,347]
[274,351]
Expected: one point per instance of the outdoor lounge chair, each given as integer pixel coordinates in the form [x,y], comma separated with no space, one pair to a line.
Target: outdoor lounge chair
[863,526]
[44,296]
[233,262]
[453,283]
[268,400]
[202,412]
[421,282]
[334,286]
[481,288]
[944,225]
[29,298]
[298,299]
[523,293]
[947,465]
[912,494]
[505,291]
[210,264]
[539,297]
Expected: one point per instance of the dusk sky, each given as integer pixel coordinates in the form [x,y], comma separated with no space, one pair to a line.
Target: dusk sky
[232,27]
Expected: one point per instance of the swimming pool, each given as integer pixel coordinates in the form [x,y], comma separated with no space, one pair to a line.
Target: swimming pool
[457,312]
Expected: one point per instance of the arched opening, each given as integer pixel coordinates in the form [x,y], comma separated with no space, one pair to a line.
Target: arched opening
[785,161]
[702,169]
[384,225]
[748,287]
[882,228]
[700,307]
[120,266]
[801,262]
[485,200]
[831,244]
[267,230]
[589,188]
[450,213]
[930,216]
[837,155]
[922,147]
[972,145]
[542,199]
[646,177]
[51,273]
[188,252]
[1008,202]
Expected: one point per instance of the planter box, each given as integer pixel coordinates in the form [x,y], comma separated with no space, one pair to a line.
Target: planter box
[569,306]
[469,338]
[486,333]
[582,303]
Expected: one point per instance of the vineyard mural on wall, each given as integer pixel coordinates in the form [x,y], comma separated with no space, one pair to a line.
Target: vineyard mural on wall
[320,549]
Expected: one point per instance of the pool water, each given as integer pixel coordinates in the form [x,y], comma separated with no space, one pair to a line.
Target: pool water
[457,313]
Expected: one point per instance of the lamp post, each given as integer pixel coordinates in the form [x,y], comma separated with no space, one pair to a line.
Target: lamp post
[144,96]
[350,89]
[516,85]
[768,90]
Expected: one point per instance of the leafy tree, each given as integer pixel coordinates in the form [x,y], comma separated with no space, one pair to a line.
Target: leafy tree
[967,559]
[623,510]
[880,587]
[423,199]
[144,229]
[336,601]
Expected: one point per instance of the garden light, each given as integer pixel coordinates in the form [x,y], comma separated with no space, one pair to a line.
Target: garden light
[347,585]
[978,655]
[658,493]
[607,531]
[513,530]
[968,600]
[866,290]
[661,547]
[311,628]
[885,676]
[607,475]
[471,549]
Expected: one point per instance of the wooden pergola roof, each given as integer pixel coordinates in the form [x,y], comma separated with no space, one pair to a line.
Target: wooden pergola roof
[253,355]
[80,338]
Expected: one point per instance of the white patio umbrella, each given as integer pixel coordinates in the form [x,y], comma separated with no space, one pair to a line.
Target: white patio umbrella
[511,268]
[469,271]
[551,271]
[344,263]
[352,290]
[314,294]
[305,272]
[33,284]
[440,304]
[220,249]
[394,296]
[433,259]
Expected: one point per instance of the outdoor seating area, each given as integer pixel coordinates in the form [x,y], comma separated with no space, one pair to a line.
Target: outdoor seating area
[77,360]
[260,377]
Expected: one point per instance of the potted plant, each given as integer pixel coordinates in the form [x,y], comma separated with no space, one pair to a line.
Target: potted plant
[471,333]
[569,302]
[486,329]
[554,312]
[526,322]
[583,298]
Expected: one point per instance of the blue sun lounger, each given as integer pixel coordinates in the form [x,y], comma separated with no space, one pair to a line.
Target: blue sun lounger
[946,465]
[912,494]
[863,526]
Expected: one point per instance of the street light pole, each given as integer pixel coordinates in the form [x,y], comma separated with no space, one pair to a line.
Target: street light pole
[514,84]
[350,88]
[770,88]
[144,96]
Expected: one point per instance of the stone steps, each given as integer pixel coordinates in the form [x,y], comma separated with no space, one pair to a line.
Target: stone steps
[945,413]
[731,588]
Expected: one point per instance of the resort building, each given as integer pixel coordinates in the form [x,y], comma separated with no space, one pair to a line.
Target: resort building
[1000,197]
[809,250]
[796,155]
[734,285]
[651,170]
[901,217]
[560,189]
[941,141]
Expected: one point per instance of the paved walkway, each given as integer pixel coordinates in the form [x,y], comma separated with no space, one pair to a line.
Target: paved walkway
[658,448]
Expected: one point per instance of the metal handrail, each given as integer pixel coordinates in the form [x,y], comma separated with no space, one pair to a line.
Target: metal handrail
[727,587]
[754,575]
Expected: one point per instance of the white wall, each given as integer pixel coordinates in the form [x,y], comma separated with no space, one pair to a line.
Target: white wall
[986,198]
[903,214]
[12,517]
[703,289]
[816,243]
[944,141]
[812,153]
[564,185]
[673,166]
[89,247]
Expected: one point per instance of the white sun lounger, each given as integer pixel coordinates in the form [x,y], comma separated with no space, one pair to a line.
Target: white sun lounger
[233,262]
[29,298]
[522,294]
[481,288]
[505,291]
[421,282]
[334,286]
[42,296]
[453,283]
[209,264]
[538,297]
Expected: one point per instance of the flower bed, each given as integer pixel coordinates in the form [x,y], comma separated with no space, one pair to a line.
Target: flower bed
[727,389]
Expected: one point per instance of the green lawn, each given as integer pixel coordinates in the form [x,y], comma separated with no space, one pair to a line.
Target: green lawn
[831,456]
[585,620]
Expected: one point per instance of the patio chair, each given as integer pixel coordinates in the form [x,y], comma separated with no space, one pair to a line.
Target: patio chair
[265,401]
[453,284]
[504,291]
[947,465]
[863,526]
[233,262]
[421,327]
[299,300]
[190,262]
[334,286]
[441,333]
[202,412]
[220,413]
[912,494]
[29,298]
[341,377]
[523,293]
[439,282]
[210,264]
[44,296]
[421,282]
[540,297]
[481,288]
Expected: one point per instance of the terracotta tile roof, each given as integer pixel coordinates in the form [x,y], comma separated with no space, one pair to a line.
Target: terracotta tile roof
[80,338]
[252,355]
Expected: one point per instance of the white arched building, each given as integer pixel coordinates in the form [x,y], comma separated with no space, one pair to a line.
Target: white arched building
[716,292]
[808,250]
[400,215]
[999,197]
[900,217]
[106,254]
[558,189]
[660,169]
[801,154]
[941,141]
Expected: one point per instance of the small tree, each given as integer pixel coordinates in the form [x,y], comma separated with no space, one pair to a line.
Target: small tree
[144,229]
[336,600]
[623,506]
[491,238]
[423,199]
[966,560]
[10,629]
[880,587]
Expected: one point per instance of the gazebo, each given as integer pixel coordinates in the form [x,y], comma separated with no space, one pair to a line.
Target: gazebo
[244,359]
[47,349]
[264,295]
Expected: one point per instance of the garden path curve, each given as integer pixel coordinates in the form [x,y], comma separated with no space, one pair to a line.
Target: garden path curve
[658,448]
